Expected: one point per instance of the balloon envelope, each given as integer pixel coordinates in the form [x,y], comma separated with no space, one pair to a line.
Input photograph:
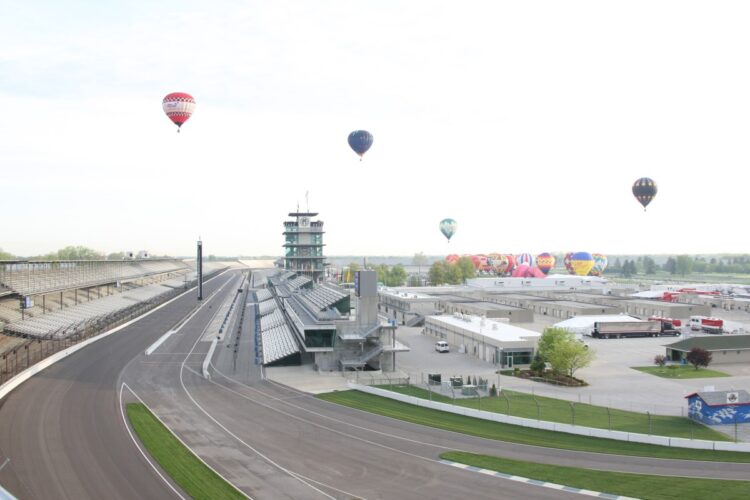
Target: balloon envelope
[521,271]
[566,262]
[581,263]
[448,228]
[644,190]
[452,258]
[600,264]
[360,141]
[525,258]
[545,261]
[179,107]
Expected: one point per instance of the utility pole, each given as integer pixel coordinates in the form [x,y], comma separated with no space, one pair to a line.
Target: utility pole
[199,268]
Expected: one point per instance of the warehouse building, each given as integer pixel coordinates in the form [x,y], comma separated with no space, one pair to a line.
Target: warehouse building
[489,310]
[724,349]
[406,307]
[492,341]
[646,307]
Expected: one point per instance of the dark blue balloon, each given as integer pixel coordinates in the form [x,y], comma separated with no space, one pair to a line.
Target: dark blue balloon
[360,141]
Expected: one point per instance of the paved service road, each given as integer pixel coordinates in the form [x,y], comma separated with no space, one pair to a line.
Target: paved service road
[65,438]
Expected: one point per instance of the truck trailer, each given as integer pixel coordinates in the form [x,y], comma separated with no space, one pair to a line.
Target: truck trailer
[621,329]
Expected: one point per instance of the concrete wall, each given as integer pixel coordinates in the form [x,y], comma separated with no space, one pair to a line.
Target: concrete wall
[553,426]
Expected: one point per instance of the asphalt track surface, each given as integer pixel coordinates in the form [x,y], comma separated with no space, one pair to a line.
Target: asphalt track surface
[65,436]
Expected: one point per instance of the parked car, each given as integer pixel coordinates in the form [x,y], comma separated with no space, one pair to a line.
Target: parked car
[442,346]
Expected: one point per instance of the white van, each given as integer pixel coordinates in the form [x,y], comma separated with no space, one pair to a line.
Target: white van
[442,346]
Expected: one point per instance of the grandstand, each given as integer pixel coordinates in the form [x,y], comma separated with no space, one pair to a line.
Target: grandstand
[321,322]
[61,323]
[299,282]
[272,320]
[55,298]
[278,343]
[277,338]
[35,278]
[322,298]
[263,295]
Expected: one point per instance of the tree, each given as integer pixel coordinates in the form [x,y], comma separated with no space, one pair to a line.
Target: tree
[453,274]
[671,265]
[564,353]
[438,272]
[697,356]
[5,255]
[419,260]
[684,265]
[649,266]
[660,360]
[116,256]
[627,271]
[466,266]
[396,276]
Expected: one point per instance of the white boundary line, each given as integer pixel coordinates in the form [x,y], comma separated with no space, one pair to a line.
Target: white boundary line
[137,444]
[236,437]
[178,438]
[535,482]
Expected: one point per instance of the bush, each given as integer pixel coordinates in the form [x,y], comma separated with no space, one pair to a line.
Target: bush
[538,365]
[493,391]
[660,360]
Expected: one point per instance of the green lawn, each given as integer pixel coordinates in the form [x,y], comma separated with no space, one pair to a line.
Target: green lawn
[518,434]
[642,486]
[680,371]
[556,410]
[183,467]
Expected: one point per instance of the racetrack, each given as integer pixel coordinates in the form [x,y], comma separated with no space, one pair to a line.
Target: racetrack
[65,436]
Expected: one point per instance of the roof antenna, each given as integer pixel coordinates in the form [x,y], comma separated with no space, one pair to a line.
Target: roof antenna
[307,200]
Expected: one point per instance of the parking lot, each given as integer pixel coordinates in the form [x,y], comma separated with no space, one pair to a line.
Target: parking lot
[612,381]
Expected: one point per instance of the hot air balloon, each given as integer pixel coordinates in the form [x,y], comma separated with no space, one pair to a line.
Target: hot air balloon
[566,262]
[644,190]
[525,258]
[179,107]
[448,228]
[600,264]
[452,258]
[581,263]
[500,263]
[511,262]
[360,141]
[545,261]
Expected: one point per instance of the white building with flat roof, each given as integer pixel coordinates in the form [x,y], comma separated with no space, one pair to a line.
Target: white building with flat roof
[492,341]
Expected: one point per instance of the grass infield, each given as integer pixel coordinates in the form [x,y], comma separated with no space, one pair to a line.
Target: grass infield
[183,467]
[643,486]
[680,371]
[517,434]
[524,405]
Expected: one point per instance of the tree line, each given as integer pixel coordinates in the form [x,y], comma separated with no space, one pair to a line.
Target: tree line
[71,252]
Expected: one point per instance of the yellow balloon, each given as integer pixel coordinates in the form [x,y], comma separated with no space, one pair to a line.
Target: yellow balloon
[582,263]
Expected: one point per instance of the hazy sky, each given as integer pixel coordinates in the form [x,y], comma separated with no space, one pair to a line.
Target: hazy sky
[527,122]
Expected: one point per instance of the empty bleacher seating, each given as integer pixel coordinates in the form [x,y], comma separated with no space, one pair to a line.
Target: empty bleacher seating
[278,342]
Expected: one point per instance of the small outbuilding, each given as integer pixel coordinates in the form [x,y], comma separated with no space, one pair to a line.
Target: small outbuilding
[719,407]
[724,349]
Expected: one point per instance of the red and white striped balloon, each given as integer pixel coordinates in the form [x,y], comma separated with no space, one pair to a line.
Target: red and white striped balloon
[179,107]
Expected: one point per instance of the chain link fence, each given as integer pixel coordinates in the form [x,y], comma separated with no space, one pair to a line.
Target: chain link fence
[485,392]
[34,349]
